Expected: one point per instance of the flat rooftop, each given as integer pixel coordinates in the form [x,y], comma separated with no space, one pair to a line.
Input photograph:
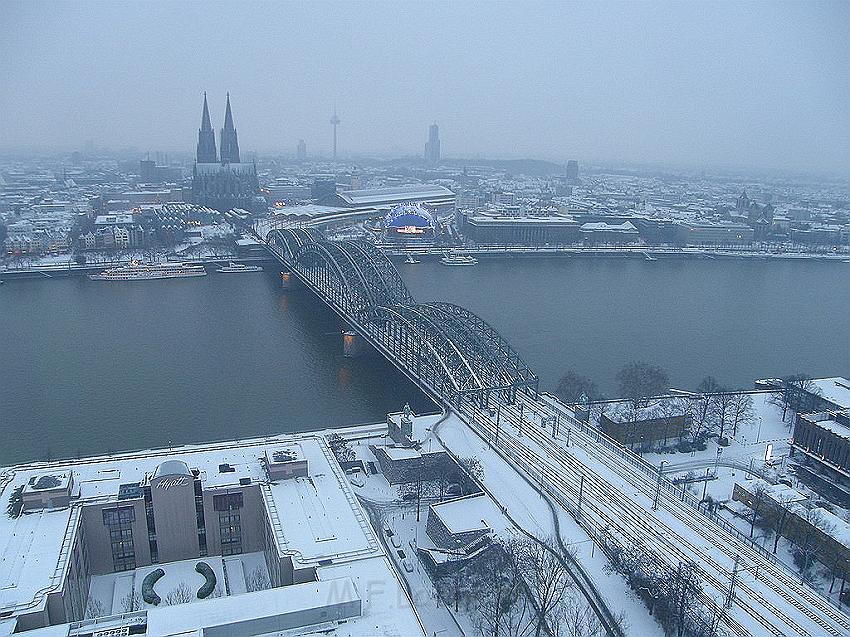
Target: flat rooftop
[835,390]
[475,513]
[394,193]
[316,519]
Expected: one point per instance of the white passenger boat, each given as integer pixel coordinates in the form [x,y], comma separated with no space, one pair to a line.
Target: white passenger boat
[139,271]
[410,259]
[458,259]
[239,267]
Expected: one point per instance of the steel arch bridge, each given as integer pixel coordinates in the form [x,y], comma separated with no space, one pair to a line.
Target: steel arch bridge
[452,353]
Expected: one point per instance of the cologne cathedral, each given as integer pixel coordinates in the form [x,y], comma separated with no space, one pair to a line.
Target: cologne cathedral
[222,181]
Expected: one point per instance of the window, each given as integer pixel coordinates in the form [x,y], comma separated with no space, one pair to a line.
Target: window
[121,515]
[227,502]
[119,522]
[230,529]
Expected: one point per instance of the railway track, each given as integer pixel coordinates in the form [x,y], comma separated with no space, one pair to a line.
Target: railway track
[776,578]
[561,471]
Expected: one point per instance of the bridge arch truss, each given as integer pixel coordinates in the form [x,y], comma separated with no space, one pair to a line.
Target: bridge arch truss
[443,347]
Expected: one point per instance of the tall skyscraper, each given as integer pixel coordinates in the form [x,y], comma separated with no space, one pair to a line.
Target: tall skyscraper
[335,122]
[206,138]
[432,146]
[571,172]
[301,153]
[229,142]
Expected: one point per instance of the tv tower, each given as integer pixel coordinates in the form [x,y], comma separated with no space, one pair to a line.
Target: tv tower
[335,122]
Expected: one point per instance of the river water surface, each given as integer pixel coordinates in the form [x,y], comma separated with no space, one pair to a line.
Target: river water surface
[89,366]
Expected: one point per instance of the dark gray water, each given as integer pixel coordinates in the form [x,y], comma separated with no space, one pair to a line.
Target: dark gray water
[89,367]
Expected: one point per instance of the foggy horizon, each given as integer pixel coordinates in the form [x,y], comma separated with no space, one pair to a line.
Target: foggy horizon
[756,85]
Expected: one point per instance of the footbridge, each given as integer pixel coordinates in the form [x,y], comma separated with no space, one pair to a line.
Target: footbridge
[448,351]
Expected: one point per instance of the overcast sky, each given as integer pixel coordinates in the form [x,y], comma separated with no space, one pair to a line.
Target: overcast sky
[745,83]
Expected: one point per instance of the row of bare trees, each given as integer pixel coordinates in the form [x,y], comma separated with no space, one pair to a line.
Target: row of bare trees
[773,513]
[672,594]
[520,588]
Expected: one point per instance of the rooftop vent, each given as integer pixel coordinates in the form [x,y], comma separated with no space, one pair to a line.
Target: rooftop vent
[244,481]
[225,468]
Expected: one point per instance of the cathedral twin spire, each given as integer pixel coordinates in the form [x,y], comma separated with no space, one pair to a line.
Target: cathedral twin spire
[206,138]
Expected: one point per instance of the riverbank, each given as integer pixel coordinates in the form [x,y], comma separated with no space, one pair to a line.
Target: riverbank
[648,253]
[71,268]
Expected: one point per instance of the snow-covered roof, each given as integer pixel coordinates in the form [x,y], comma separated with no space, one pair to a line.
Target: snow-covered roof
[835,390]
[624,411]
[231,610]
[376,196]
[466,514]
[318,516]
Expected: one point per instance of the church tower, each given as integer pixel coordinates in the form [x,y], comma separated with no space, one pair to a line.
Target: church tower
[206,138]
[229,142]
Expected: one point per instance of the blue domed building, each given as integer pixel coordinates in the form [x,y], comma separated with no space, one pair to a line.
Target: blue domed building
[410,222]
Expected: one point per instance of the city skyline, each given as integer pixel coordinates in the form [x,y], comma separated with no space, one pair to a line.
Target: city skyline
[711,85]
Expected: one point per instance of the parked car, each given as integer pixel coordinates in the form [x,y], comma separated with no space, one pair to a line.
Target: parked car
[407,565]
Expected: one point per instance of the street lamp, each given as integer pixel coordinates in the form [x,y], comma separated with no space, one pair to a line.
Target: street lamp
[658,485]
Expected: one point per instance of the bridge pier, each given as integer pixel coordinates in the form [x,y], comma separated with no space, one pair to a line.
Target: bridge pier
[352,344]
[288,280]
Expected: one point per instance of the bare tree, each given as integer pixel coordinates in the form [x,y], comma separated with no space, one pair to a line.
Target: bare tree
[783,501]
[421,488]
[579,619]
[472,466]
[179,595]
[95,608]
[672,409]
[257,580]
[807,547]
[132,601]
[758,500]
[500,606]
[798,393]
[741,411]
[638,381]
[546,577]
[722,410]
[572,385]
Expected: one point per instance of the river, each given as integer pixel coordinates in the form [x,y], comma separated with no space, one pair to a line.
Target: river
[89,367]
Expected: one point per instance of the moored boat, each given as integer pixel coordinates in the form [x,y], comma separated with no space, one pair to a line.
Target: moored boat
[458,259]
[239,267]
[139,271]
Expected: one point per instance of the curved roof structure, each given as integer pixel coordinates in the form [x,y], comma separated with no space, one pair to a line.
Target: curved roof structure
[172,468]
[409,215]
